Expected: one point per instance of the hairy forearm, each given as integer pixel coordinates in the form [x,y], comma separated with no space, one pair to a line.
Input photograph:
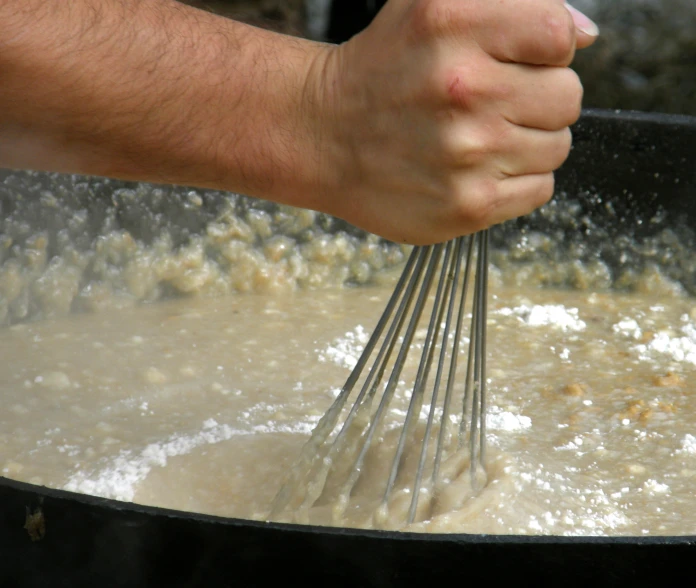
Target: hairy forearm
[155,90]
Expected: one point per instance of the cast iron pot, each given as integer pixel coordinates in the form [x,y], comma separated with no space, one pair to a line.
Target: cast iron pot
[626,170]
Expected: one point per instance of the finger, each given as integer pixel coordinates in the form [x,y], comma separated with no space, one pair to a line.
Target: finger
[527,31]
[531,151]
[587,31]
[548,98]
[508,150]
[517,196]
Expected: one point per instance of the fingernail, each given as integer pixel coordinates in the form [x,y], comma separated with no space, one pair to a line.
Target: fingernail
[583,23]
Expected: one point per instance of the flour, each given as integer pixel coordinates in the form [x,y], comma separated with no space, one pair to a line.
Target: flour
[688,445]
[118,478]
[655,487]
[498,419]
[345,351]
[628,327]
[593,512]
[681,348]
[557,315]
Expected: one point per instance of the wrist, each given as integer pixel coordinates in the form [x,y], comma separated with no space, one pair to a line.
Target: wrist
[274,146]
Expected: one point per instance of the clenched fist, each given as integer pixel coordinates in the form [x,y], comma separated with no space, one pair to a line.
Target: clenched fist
[441,118]
[447,116]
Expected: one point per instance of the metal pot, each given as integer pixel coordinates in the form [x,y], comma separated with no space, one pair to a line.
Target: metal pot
[632,174]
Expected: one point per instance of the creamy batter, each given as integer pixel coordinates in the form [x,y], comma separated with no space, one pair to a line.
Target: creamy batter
[203,404]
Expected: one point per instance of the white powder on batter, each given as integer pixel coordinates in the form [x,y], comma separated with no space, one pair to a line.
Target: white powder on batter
[688,445]
[119,476]
[629,327]
[655,487]
[596,514]
[681,348]
[539,315]
[498,419]
[345,351]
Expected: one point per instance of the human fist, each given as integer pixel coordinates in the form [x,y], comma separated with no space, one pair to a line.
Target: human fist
[445,117]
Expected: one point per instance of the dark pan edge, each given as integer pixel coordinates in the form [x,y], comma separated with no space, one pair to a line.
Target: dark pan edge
[90,540]
[639,161]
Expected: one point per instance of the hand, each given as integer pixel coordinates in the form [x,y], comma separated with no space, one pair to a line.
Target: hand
[449,116]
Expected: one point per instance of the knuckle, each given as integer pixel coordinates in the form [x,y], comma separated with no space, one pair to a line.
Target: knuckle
[477,204]
[474,148]
[461,89]
[432,18]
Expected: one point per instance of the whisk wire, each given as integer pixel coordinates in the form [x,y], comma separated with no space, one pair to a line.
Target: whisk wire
[433,252]
[448,283]
[364,424]
[483,313]
[416,402]
[451,376]
[313,448]
[363,402]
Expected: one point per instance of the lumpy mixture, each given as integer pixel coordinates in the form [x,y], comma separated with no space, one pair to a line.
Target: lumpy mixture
[203,404]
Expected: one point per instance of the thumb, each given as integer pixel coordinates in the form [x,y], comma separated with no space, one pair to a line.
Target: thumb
[587,30]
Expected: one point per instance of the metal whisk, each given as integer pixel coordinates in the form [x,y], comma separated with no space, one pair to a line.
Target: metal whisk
[431,430]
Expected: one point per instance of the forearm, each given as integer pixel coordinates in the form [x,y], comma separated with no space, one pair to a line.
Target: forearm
[155,90]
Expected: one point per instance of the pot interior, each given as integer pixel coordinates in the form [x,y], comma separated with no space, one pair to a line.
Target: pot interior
[85,260]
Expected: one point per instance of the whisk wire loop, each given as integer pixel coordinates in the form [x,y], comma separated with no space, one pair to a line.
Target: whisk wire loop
[344,451]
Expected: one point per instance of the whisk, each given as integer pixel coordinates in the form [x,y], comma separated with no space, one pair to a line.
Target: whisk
[432,433]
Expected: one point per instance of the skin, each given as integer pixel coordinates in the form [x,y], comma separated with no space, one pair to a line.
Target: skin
[442,118]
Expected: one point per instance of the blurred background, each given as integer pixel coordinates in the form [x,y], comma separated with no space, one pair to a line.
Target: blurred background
[645,58]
